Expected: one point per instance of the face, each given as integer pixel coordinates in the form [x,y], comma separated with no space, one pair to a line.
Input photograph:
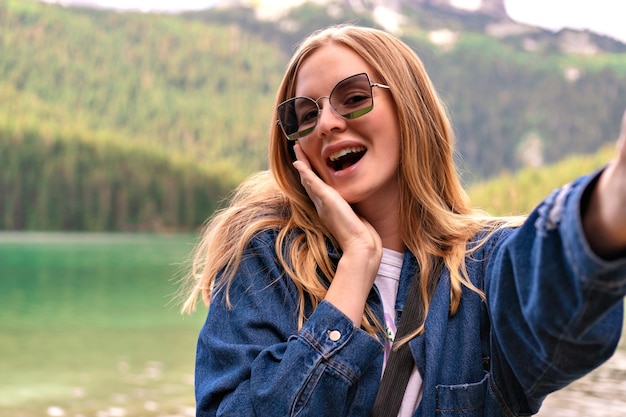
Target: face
[357,157]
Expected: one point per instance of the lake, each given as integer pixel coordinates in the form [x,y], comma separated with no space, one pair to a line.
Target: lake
[89,328]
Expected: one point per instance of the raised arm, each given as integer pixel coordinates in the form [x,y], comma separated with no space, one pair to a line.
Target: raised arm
[555,288]
[604,218]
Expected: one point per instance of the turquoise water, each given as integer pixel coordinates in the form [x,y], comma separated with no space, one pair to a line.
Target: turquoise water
[89,326]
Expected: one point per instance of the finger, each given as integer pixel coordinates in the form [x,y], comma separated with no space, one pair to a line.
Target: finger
[313,185]
[317,190]
[303,166]
[621,140]
[300,155]
[309,179]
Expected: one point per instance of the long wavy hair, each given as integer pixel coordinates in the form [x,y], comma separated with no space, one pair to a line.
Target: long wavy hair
[436,217]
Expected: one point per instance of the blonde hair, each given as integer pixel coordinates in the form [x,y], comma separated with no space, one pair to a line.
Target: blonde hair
[435,212]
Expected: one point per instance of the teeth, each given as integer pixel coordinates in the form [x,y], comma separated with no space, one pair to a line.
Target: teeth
[339,154]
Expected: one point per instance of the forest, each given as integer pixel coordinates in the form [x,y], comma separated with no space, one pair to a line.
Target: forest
[128,121]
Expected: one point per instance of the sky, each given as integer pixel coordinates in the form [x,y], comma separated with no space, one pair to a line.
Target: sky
[602,16]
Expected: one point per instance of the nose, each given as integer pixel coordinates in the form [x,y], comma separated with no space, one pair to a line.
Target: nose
[329,121]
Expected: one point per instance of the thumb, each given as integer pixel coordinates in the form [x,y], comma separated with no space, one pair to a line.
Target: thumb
[621,140]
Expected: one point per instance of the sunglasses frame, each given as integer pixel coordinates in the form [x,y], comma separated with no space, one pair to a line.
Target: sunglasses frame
[348,116]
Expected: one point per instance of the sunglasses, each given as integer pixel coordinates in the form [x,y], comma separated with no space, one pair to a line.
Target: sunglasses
[350,98]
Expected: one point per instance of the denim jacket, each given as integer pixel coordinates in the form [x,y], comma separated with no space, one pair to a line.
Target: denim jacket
[553,312]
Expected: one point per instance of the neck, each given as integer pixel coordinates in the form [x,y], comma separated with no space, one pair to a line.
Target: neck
[384,218]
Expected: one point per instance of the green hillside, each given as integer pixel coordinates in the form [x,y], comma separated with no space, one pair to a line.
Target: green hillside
[130,121]
[154,79]
[518,193]
[77,181]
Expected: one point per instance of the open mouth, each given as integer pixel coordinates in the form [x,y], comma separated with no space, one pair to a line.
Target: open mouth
[345,158]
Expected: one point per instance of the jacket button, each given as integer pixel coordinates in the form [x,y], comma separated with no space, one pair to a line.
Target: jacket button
[334,335]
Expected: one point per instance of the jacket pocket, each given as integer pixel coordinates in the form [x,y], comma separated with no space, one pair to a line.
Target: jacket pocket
[462,400]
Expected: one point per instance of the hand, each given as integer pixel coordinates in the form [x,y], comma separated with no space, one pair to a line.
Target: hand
[350,230]
[604,220]
[360,243]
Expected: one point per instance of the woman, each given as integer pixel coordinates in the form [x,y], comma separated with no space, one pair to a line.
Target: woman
[307,271]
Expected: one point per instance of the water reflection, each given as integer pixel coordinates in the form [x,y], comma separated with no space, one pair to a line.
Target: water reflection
[153,391]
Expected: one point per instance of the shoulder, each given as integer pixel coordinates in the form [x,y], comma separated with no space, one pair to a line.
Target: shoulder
[483,247]
[260,249]
[259,274]
[264,238]
[491,236]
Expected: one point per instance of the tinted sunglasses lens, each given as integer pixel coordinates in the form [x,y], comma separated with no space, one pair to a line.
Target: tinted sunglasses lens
[298,117]
[352,97]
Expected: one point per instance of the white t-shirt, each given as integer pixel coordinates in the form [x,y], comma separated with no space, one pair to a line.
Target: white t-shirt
[387,281]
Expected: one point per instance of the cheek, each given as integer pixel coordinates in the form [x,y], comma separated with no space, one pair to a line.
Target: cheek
[390,130]
[396,148]
[392,158]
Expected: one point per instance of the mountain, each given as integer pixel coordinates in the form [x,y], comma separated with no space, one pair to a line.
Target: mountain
[102,109]
[489,18]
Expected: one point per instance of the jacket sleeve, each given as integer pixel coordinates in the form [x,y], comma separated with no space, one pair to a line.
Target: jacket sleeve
[253,361]
[556,308]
